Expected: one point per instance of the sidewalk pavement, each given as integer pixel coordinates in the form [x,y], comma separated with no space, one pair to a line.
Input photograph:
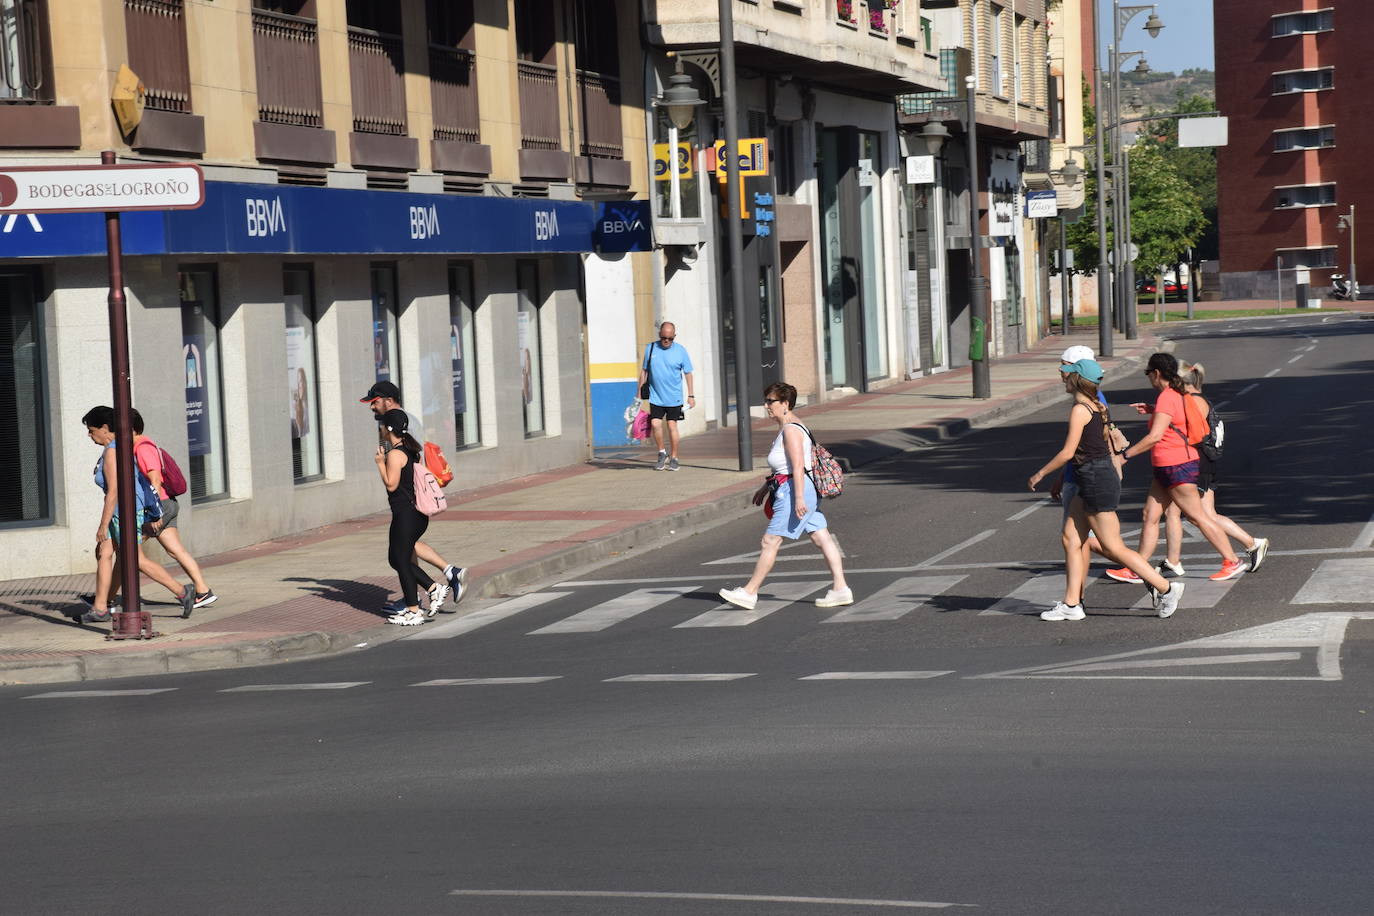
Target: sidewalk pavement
[321,591]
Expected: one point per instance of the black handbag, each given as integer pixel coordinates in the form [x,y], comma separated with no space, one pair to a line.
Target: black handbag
[644,389]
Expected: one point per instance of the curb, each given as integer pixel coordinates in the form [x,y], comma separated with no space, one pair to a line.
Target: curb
[724,508]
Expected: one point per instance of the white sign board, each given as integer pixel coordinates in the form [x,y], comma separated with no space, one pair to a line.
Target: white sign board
[1201,132]
[920,170]
[101,188]
[1041,204]
[866,177]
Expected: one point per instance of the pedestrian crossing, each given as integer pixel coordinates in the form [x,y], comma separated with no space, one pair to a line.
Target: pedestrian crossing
[1039,593]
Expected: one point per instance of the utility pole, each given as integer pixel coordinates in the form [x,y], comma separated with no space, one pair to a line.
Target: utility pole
[735,232]
[977,283]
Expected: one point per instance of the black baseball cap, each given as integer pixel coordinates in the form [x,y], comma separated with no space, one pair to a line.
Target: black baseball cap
[381,390]
[394,420]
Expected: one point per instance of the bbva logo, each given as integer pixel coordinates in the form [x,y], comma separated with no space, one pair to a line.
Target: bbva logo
[621,220]
[264,217]
[545,225]
[424,222]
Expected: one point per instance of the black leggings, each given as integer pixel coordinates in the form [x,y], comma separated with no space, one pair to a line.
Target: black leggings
[408,525]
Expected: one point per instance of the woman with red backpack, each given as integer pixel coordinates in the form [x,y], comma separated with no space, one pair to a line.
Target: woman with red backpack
[169,483]
[1176,462]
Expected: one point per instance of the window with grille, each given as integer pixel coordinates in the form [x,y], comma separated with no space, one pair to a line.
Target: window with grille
[1305,138]
[1300,23]
[1309,195]
[1304,80]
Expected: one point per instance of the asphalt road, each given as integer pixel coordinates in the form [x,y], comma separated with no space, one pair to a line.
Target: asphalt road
[936,746]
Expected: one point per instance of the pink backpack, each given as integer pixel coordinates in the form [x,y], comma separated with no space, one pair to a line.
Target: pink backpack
[429,496]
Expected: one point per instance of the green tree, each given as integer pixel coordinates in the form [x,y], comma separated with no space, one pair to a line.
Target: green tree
[1197,166]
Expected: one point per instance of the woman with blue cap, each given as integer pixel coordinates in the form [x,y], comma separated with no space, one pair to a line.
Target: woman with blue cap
[1087,445]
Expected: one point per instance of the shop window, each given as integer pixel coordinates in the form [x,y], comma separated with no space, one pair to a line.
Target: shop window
[463,346]
[302,373]
[527,342]
[384,345]
[25,487]
[201,355]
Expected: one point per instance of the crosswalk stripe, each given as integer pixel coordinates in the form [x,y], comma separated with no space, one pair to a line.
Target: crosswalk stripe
[1031,597]
[672,678]
[258,688]
[1198,592]
[897,599]
[66,694]
[1339,582]
[775,599]
[486,681]
[616,610]
[478,619]
[874,675]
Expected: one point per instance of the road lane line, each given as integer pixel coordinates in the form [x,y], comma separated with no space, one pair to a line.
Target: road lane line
[724,898]
[775,599]
[874,675]
[616,610]
[1247,389]
[486,681]
[64,694]
[478,619]
[261,688]
[1366,538]
[982,536]
[1185,662]
[1295,359]
[1039,503]
[673,678]
[897,599]
[1272,372]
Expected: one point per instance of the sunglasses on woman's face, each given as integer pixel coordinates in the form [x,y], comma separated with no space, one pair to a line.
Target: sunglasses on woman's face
[768,401]
[1149,371]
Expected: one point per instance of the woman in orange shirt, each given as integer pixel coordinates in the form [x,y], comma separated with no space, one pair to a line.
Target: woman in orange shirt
[1176,469]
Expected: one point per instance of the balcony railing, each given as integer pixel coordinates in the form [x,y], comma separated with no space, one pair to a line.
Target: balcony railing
[156,31]
[21,53]
[539,126]
[599,98]
[453,90]
[955,64]
[287,49]
[377,75]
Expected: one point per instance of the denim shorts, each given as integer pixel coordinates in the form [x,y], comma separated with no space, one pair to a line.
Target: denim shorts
[1067,491]
[1099,485]
[1176,475]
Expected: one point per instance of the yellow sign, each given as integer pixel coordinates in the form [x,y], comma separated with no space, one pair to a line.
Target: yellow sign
[684,161]
[753,157]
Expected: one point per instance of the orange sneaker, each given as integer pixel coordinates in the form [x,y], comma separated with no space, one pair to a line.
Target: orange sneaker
[1123,575]
[1229,570]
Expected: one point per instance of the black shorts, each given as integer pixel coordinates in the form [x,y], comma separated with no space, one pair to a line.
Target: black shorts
[658,412]
[1099,485]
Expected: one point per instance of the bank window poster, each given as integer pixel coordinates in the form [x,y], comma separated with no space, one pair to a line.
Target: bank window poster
[193,361]
[455,342]
[297,382]
[522,343]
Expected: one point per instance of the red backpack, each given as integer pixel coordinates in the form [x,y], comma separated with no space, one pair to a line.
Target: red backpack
[173,481]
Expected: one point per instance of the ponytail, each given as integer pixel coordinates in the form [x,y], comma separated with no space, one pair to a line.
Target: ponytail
[1195,375]
[410,445]
[1167,367]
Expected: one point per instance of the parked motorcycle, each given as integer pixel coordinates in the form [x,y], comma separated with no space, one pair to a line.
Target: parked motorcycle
[1341,288]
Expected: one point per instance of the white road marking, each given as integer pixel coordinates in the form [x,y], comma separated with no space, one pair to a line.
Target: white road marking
[1366,538]
[1031,597]
[1272,372]
[616,610]
[1348,581]
[257,688]
[1199,592]
[487,615]
[753,555]
[1031,508]
[723,898]
[64,694]
[1193,660]
[874,675]
[1247,389]
[896,599]
[486,681]
[1323,631]
[673,678]
[1296,358]
[775,599]
[962,545]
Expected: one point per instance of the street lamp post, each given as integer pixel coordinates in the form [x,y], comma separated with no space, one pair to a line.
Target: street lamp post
[735,231]
[1104,286]
[977,283]
[1347,221]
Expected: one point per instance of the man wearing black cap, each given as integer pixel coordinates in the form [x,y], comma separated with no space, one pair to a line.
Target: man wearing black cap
[381,397]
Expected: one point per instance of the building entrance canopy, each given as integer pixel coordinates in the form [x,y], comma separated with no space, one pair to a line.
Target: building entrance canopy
[282,219]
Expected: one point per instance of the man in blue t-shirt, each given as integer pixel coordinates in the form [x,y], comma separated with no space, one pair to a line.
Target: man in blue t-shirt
[665,366]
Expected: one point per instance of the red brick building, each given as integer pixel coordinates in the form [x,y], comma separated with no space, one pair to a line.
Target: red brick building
[1294,77]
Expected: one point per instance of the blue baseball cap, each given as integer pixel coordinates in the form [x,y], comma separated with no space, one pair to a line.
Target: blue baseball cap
[1087,368]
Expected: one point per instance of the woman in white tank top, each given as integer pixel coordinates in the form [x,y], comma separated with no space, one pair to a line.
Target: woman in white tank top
[795,509]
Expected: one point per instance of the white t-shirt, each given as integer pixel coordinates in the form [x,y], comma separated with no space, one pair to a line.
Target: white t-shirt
[777,455]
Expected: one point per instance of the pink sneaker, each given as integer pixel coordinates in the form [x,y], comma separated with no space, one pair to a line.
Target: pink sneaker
[1229,570]
[1123,575]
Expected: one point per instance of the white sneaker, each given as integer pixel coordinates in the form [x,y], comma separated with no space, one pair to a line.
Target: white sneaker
[836,599]
[408,618]
[438,594]
[1168,601]
[1256,554]
[1171,569]
[1062,611]
[739,597]
[458,581]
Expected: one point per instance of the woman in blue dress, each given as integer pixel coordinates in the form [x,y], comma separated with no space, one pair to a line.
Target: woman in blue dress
[795,506]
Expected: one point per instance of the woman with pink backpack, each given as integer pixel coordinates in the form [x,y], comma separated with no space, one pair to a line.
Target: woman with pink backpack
[169,483]
[397,459]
